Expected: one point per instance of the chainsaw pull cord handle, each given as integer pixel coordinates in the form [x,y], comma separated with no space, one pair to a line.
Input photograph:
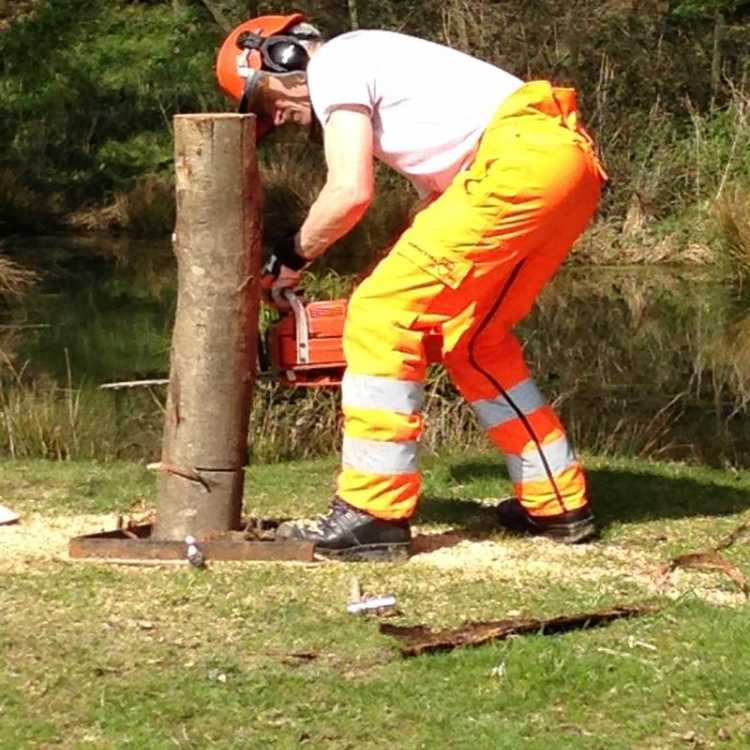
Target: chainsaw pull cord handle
[301,326]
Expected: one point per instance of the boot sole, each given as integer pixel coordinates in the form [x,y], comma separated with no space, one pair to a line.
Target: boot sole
[366,553]
[575,533]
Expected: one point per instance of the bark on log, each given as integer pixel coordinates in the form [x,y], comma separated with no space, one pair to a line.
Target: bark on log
[214,342]
[210,505]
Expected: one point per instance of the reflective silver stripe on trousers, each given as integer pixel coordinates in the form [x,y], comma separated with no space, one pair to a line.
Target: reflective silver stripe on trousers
[374,392]
[493,412]
[379,457]
[529,466]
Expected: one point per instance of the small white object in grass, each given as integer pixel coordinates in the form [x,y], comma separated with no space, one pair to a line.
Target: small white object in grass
[499,671]
[193,554]
[632,643]
[371,603]
[7,515]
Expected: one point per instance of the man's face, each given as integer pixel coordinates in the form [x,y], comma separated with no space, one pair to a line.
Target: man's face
[286,111]
[283,100]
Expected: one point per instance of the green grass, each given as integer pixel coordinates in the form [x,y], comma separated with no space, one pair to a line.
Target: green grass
[102,656]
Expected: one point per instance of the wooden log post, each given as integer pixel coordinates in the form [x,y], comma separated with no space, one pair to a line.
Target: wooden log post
[214,342]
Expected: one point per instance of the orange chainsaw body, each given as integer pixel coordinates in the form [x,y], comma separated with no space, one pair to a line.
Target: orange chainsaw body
[305,346]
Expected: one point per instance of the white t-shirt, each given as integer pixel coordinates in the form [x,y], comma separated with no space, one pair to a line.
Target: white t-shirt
[430,104]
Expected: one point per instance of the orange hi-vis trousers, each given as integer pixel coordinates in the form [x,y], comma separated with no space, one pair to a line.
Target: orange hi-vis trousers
[471,265]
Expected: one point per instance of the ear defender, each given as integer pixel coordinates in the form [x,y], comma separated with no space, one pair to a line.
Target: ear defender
[280,53]
[267,45]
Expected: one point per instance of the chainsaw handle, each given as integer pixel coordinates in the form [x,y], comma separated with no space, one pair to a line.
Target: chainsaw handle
[301,325]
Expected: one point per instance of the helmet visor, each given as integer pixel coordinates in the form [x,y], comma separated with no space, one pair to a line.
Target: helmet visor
[251,103]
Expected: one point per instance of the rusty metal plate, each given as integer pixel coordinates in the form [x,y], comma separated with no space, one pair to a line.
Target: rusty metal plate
[135,543]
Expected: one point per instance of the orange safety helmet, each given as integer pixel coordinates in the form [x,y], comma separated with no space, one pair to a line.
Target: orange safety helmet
[256,46]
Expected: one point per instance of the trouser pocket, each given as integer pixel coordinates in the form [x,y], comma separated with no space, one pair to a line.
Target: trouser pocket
[445,267]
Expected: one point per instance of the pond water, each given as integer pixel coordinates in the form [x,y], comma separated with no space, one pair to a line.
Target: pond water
[102,309]
[642,360]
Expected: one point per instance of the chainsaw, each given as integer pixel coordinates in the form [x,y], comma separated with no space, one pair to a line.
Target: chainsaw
[305,346]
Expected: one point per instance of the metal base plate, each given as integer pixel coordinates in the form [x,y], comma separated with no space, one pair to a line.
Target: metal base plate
[135,543]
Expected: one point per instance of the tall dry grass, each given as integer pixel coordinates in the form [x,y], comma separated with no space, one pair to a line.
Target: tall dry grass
[733,214]
[14,278]
[148,208]
[41,418]
[731,350]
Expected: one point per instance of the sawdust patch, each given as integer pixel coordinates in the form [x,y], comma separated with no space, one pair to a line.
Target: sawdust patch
[599,564]
[40,538]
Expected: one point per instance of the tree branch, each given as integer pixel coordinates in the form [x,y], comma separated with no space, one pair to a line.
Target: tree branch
[218,15]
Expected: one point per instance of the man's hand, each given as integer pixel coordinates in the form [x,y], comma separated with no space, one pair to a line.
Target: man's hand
[277,279]
[283,270]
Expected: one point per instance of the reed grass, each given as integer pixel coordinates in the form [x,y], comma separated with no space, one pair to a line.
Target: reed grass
[733,214]
[41,419]
[148,208]
[14,278]
[660,371]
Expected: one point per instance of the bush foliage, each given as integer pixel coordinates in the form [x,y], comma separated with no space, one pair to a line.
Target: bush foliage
[87,93]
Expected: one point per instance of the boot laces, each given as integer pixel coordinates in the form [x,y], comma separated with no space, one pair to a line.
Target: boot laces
[324,521]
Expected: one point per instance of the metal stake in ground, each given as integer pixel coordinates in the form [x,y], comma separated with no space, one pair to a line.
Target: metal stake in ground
[212,364]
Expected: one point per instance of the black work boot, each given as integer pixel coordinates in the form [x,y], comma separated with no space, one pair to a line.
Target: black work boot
[571,527]
[347,533]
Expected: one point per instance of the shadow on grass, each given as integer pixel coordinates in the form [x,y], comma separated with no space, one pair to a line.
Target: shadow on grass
[623,496]
[618,496]
[450,510]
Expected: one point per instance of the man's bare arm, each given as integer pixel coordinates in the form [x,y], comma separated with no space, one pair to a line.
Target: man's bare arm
[348,190]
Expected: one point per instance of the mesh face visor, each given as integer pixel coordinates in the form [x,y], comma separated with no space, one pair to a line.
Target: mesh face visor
[248,105]
[251,87]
